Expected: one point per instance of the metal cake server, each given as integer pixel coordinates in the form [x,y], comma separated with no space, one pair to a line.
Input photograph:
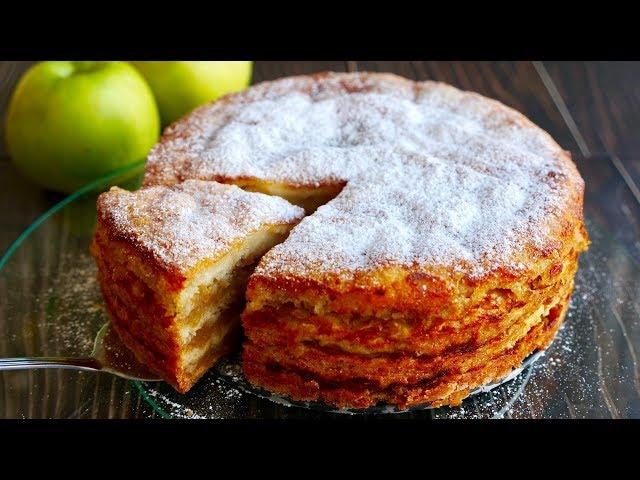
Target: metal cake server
[109,355]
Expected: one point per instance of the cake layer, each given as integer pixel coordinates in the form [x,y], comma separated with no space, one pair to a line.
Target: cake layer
[334,363]
[447,385]
[171,364]
[420,289]
[455,316]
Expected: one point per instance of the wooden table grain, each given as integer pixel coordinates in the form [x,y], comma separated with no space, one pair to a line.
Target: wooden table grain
[590,108]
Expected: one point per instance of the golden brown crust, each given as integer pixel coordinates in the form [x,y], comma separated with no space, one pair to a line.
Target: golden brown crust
[445,387]
[446,295]
[144,311]
[140,305]
[434,350]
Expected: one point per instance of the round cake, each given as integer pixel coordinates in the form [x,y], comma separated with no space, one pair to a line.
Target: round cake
[441,241]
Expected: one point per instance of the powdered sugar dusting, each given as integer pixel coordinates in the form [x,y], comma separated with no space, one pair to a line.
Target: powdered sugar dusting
[195,220]
[433,175]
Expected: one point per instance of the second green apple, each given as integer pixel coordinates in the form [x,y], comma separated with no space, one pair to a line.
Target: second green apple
[179,87]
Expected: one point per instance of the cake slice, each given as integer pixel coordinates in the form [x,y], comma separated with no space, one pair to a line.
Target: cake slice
[173,263]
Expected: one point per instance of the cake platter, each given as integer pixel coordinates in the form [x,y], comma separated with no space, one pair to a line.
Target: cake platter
[52,306]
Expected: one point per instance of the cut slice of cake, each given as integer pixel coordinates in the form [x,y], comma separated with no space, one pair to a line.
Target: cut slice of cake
[173,264]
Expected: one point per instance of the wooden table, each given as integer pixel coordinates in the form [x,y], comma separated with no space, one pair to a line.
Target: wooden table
[590,108]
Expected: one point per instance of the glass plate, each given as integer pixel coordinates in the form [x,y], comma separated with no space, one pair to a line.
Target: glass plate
[51,305]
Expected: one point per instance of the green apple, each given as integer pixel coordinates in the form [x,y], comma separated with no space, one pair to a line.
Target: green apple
[71,122]
[179,87]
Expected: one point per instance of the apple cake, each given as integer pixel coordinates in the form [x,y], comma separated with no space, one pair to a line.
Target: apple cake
[441,244]
[173,264]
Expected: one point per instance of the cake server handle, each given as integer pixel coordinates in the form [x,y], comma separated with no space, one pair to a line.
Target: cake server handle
[90,364]
[109,355]
[27,363]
